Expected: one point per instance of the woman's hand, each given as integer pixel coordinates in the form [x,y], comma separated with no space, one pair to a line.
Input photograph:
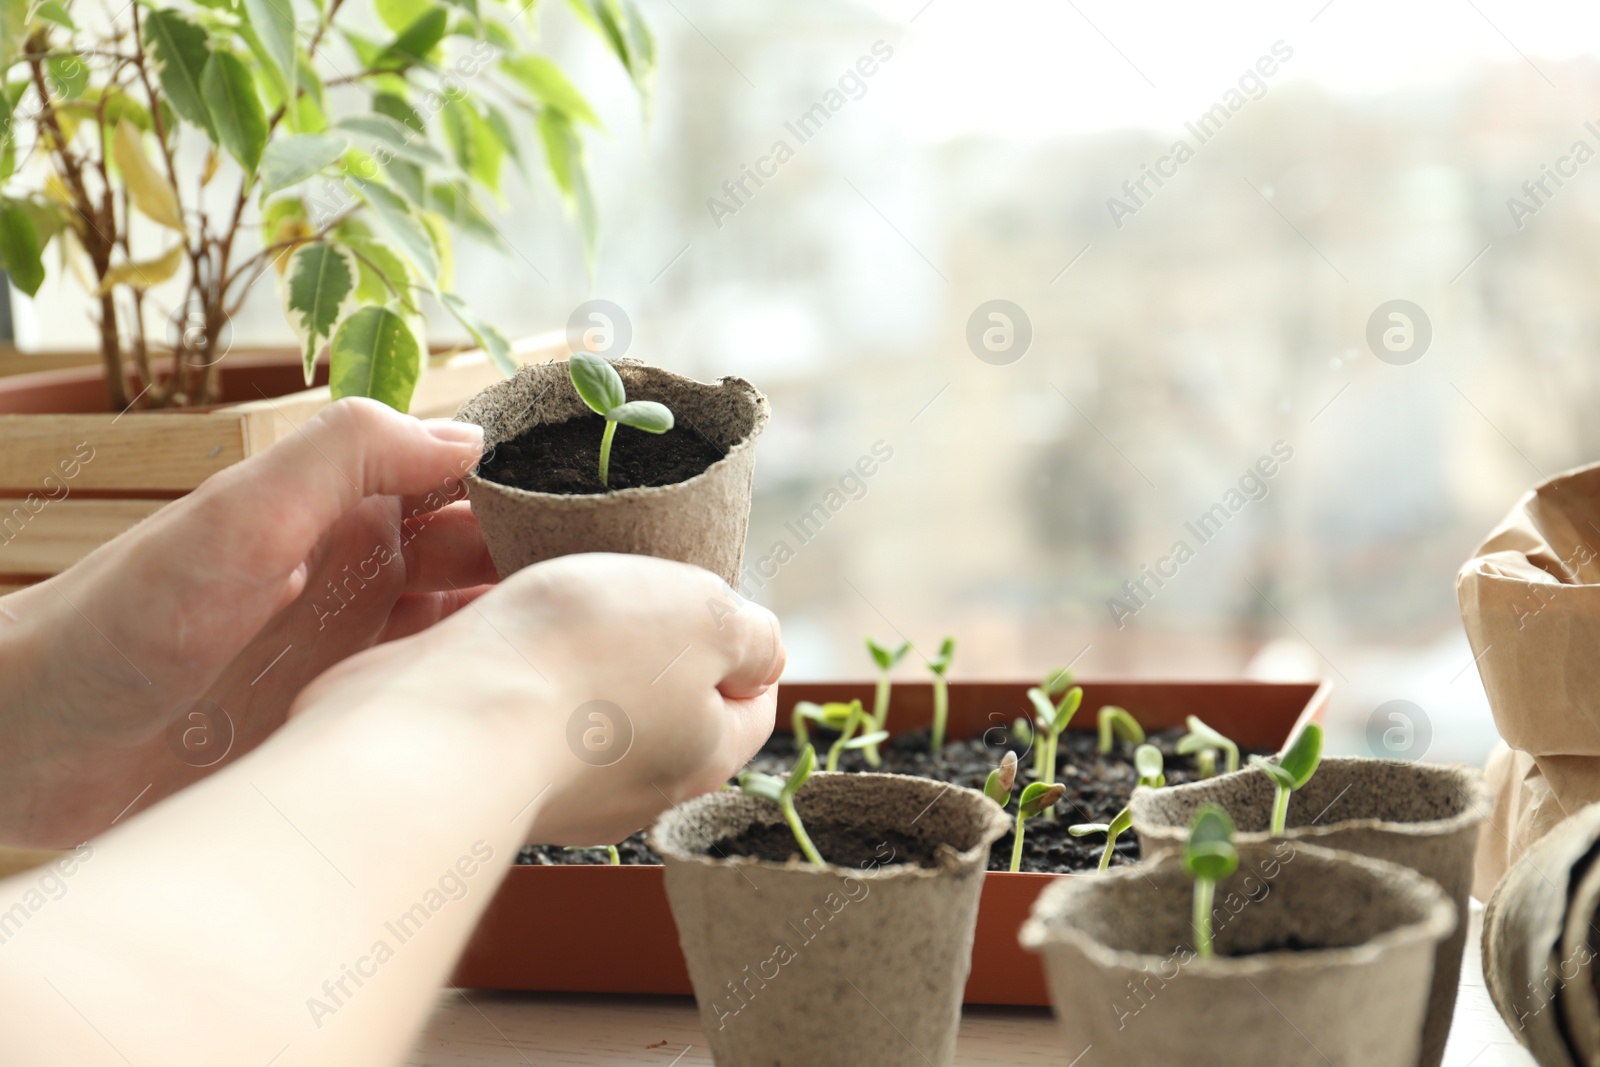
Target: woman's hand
[180,645]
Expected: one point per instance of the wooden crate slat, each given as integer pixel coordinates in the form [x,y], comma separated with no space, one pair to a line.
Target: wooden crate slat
[166,452]
[63,531]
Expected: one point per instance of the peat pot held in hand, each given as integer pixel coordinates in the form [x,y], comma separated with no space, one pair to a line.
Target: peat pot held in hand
[1419,815]
[1321,956]
[859,962]
[683,495]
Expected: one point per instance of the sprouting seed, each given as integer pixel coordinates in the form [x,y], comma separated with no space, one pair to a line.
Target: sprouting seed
[1203,743]
[1116,722]
[1292,771]
[1148,762]
[845,718]
[600,386]
[1209,856]
[612,855]
[781,791]
[940,665]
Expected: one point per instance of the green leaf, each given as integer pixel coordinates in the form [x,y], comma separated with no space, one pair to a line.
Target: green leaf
[395,106]
[994,790]
[1068,707]
[1209,852]
[801,771]
[1057,681]
[290,160]
[56,12]
[1087,829]
[564,154]
[469,6]
[383,275]
[877,737]
[317,286]
[241,124]
[400,140]
[941,660]
[147,187]
[646,415]
[13,30]
[1149,763]
[765,786]
[1304,755]
[400,14]
[20,249]
[597,382]
[1280,777]
[414,43]
[489,339]
[1043,707]
[273,21]
[181,56]
[375,354]
[476,146]
[546,83]
[456,205]
[1121,822]
[1039,796]
[1116,722]
[68,76]
[405,229]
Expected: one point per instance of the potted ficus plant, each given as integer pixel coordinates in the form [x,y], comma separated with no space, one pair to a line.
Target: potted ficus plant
[1423,816]
[1230,952]
[176,158]
[592,455]
[828,918]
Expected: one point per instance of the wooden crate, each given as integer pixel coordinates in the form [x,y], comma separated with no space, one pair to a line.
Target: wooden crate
[142,460]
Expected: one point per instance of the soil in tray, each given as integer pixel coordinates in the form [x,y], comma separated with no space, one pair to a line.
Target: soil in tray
[564,457]
[1097,788]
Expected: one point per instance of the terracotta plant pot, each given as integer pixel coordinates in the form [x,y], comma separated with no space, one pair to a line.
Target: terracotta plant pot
[1539,944]
[617,935]
[1352,989]
[702,520]
[1420,815]
[797,964]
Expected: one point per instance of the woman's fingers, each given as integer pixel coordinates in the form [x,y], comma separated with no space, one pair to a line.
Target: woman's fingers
[444,551]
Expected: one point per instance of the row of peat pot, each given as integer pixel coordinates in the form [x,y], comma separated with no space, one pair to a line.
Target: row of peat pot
[1339,942]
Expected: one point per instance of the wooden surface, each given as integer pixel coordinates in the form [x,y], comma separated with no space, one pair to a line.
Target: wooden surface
[478,1029]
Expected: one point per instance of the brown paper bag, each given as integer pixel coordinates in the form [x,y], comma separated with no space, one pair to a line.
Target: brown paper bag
[1530,599]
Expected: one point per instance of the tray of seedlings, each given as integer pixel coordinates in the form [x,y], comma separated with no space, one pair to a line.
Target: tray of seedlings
[1060,758]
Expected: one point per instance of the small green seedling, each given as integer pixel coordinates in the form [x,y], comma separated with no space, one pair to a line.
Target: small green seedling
[1203,743]
[1152,773]
[1001,779]
[1209,857]
[1022,732]
[885,658]
[939,665]
[1292,771]
[612,855]
[1035,799]
[781,792]
[1115,722]
[1051,718]
[600,386]
[845,718]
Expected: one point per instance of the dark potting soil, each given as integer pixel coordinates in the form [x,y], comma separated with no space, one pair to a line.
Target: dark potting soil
[564,457]
[1097,788]
[839,846]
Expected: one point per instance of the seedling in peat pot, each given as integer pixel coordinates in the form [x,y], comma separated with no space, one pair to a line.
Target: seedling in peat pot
[1292,771]
[1203,743]
[1209,857]
[845,718]
[781,792]
[600,386]
[612,855]
[885,658]
[1152,773]
[998,786]
[1115,722]
[939,665]
[1035,799]
[1051,719]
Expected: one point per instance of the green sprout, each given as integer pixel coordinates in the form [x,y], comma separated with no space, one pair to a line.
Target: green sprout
[1116,722]
[998,786]
[1051,718]
[1209,857]
[781,792]
[1203,743]
[600,386]
[613,856]
[845,718]
[1152,773]
[885,658]
[1022,732]
[1035,799]
[1292,771]
[939,665]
